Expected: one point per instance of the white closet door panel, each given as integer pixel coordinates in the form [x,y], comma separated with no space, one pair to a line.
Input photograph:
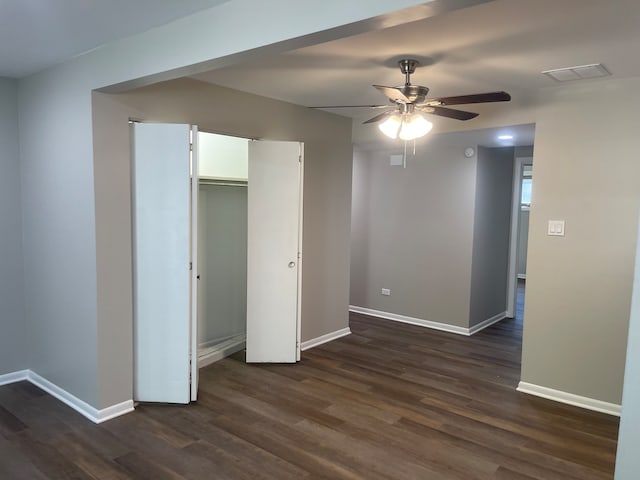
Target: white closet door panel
[161,262]
[273,246]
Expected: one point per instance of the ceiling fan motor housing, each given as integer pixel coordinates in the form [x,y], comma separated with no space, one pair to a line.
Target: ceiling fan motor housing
[415,93]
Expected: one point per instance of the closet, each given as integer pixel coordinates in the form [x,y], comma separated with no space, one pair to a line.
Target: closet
[222,246]
[217,258]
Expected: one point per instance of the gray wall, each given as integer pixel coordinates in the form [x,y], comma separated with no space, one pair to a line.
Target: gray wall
[435,233]
[579,285]
[412,232]
[491,231]
[58,237]
[13,351]
[222,262]
[327,187]
[627,458]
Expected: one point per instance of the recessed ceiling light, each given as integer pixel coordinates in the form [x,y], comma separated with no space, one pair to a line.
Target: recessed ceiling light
[580,72]
[505,137]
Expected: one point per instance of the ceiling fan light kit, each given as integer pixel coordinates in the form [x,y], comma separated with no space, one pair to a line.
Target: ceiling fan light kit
[406,126]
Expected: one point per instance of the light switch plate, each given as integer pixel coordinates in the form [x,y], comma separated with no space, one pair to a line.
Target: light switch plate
[385,291]
[556,228]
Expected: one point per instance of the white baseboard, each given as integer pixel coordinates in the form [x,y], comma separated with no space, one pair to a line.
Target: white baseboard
[522,276]
[445,327]
[215,354]
[411,320]
[570,398]
[93,414]
[218,342]
[487,323]
[14,377]
[114,411]
[314,342]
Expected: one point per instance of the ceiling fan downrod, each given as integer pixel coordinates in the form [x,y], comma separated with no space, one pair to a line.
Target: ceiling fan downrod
[408,66]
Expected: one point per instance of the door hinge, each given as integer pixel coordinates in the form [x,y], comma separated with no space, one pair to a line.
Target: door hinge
[190,266]
[299,158]
[191,147]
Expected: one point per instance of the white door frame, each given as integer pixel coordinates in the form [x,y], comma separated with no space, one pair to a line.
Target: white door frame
[512,280]
[300,256]
[195,189]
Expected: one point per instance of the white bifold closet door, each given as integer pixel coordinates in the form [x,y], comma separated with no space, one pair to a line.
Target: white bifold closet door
[274,251]
[164,323]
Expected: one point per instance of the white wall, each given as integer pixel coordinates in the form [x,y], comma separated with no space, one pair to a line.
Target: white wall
[13,352]
[78,304]
[223,157]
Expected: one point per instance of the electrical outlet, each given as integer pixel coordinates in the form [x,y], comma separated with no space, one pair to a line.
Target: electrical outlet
[385,291]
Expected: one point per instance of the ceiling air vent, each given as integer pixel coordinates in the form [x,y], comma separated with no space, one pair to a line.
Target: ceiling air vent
[581,72]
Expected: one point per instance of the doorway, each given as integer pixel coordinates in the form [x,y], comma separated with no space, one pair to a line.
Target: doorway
[249,249]
[222,246]
[521,205]
[166,194]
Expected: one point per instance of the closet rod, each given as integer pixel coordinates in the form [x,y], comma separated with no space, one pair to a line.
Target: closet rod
[224,184]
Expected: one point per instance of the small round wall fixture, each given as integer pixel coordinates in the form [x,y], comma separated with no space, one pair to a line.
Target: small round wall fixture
[469,152]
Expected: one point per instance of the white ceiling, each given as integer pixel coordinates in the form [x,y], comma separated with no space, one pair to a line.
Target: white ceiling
[499,45]
[36,34]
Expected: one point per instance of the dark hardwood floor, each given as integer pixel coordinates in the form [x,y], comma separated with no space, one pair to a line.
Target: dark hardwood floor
[391,401]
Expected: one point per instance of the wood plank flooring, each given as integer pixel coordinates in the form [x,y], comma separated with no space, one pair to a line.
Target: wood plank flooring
[390,401]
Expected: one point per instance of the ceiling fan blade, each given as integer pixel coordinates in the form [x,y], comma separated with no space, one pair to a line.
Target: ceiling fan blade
[352,106]
[466,99]
[379,117]
[449,113]
[393,93]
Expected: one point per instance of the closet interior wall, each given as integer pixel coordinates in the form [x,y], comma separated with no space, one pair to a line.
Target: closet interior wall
[222,246]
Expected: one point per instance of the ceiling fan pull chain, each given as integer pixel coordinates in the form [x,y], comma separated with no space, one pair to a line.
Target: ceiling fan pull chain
[404,157]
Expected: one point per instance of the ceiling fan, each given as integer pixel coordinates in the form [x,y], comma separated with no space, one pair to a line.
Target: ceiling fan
[404,120]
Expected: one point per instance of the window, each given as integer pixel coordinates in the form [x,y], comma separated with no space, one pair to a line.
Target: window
[525,198]
[525,190]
